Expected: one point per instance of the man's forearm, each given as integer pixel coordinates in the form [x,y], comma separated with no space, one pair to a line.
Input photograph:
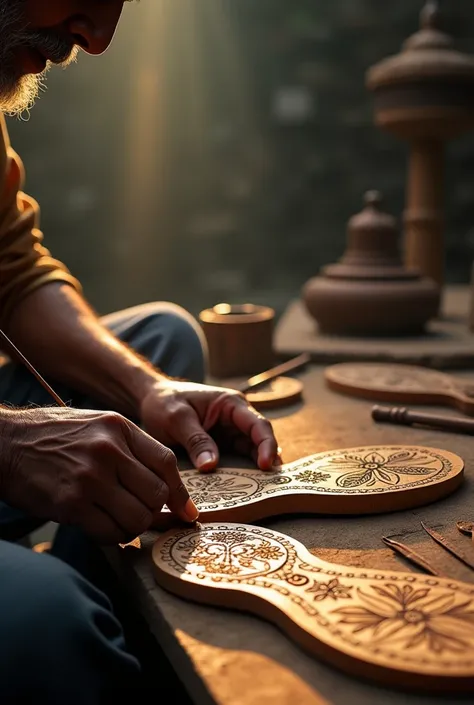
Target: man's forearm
[59,333]
[10,420]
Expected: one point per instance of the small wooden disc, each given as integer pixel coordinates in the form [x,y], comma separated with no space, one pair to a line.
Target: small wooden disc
[465,527]
[279,392]
[400,629]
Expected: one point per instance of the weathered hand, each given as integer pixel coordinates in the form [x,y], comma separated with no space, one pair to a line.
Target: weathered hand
[89,468]
[203,419]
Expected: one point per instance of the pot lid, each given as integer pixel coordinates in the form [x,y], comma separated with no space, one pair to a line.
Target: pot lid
[428,55]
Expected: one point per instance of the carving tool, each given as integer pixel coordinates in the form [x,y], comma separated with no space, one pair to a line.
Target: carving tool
[290,366]
[447,546]
[13,349]
[405,417]
[412,556]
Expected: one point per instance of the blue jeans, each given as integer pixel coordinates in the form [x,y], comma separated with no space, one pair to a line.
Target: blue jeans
[62,616]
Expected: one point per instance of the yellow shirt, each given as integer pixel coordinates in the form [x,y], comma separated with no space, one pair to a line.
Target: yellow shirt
[25,264]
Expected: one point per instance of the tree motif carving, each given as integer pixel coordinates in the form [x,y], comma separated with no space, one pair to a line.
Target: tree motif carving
[230,553]
[406,623]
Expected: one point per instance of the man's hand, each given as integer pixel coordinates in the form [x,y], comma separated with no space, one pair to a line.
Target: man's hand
[89,468]
[200,418]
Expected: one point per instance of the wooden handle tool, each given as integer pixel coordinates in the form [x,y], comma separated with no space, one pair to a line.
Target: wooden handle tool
[402,416]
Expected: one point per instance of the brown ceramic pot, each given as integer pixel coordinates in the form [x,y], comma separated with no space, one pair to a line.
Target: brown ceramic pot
[369,292]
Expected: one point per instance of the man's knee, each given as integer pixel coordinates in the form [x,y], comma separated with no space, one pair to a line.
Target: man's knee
[62,642]
[173,341]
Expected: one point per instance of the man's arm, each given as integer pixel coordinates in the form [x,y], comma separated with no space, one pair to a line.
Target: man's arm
[93,469]
[25,264]
[60,334]
[42,309]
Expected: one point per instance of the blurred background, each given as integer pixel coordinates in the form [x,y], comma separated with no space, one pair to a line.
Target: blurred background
[216,152]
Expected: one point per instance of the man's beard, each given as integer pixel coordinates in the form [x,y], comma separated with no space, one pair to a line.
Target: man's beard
[18,92]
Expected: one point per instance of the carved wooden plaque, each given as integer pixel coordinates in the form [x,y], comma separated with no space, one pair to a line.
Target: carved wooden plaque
[400,383]
[363,480]
[400,629]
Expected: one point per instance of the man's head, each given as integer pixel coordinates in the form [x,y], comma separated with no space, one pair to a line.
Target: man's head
[34,34]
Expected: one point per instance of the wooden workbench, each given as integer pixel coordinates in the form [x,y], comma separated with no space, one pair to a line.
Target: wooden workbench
[234,659]
[448,343]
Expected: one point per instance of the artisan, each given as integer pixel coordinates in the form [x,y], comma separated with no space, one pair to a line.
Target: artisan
[101,467]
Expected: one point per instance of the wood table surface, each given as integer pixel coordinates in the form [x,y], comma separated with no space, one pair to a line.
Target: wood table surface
[237,659]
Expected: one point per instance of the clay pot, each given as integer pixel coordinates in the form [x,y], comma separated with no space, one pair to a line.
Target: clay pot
[369,292]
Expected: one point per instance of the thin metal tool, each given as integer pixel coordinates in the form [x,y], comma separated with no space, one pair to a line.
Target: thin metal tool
[412,556]
[447,546]
[12,348]
[290,366]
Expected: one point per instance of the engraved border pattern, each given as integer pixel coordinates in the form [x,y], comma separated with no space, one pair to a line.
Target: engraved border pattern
[277,581]
[287,478]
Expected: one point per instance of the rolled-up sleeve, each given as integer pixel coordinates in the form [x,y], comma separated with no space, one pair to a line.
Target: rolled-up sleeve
[25,264]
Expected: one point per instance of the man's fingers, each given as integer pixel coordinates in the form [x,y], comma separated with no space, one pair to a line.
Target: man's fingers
[188,432]
[143,483]
[132,516]
[162,461]
[100,526]
[244,446]
[257,428]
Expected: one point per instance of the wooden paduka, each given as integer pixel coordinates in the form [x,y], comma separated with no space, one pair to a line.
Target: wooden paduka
[398,629]
[400,383]
[367,480]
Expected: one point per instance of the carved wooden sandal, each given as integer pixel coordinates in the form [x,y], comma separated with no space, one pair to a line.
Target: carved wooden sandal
[364,480]
[401,383]
[399,629]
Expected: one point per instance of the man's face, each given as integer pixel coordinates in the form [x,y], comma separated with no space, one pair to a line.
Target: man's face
[34,34]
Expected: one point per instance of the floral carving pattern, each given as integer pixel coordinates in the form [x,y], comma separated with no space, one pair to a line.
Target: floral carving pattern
[372,468]
[230,553]
[212,488]
[412,617]
[357,470]
[416,623]
[332,589]
[312,476]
